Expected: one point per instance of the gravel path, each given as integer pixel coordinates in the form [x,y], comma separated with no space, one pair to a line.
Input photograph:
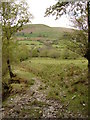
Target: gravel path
[15,105]
[34,104]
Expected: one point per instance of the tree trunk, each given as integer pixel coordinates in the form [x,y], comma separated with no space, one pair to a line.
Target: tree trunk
[88,57]
[9,68]
[89,88]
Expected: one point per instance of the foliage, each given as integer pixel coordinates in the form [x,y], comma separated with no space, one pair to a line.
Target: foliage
[79,40]
[34,52]
[23,53]
[78,12]
[11,23]
[13,15]
[6,51]
[19,15]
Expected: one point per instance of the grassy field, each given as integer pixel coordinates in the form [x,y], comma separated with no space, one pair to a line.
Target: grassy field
[65,81]
[44,56]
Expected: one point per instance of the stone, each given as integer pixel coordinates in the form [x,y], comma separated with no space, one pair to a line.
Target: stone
[11,99]
[2,109]
[40,112]
[74,97]
[84,104]
[64,95]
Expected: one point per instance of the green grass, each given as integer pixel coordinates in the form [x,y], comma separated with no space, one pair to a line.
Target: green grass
[47,49]
[30,42]
[21,82]
[32,112]
[60,76]
[24,76]
[65,76]
[18,88]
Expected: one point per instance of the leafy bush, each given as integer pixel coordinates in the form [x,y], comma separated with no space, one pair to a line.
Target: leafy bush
[43,53]
[67,54]
[48,51]
[23,53]
[8,51]
[53,54]
[34,53]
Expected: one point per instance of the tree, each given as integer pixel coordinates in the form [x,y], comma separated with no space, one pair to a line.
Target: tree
[75,10]
[79,12]
[13,15]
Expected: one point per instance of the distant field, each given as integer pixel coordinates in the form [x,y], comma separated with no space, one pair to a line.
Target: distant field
[45,41]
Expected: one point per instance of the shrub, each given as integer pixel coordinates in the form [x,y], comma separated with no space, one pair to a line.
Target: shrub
[67,54]
[34,53]
[48,51]
[43,53]
[23,53]
[54,54]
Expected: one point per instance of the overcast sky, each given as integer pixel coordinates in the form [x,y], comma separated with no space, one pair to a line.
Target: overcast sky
[38,7]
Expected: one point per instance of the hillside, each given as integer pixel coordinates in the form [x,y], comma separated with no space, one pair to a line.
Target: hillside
[40,30]
[42,27]
[50,76]
[45,41]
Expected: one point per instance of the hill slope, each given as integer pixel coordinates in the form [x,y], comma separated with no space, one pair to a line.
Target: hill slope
[45,41]
[40,30]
